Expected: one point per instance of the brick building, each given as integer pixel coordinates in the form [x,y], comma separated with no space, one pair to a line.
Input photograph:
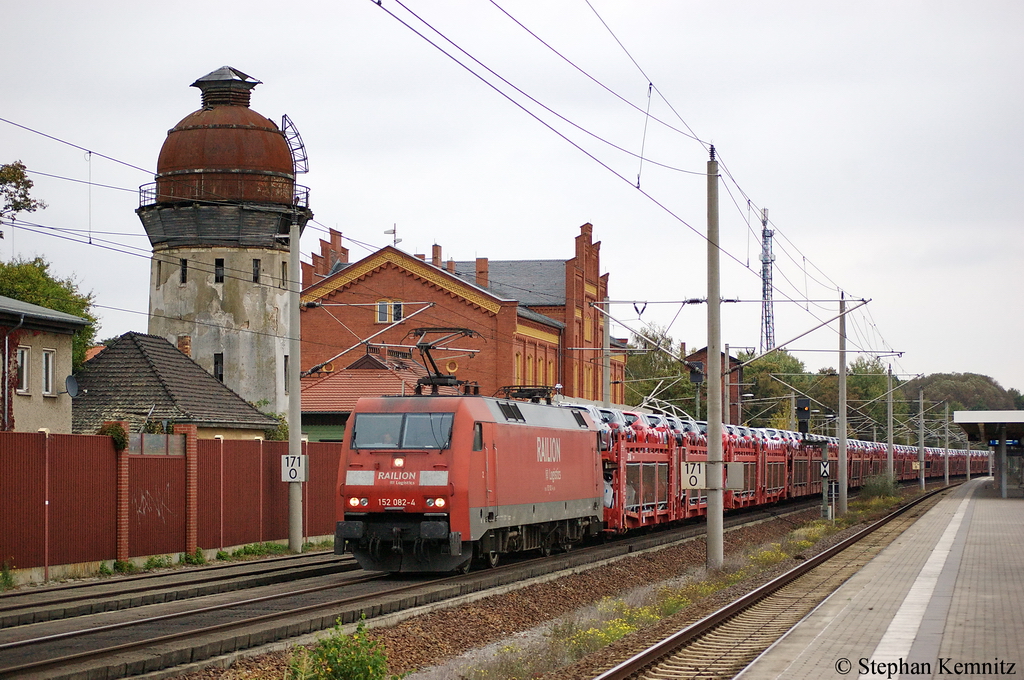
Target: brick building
[533,319]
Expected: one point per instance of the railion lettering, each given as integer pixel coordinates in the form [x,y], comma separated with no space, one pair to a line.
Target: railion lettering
[549,449]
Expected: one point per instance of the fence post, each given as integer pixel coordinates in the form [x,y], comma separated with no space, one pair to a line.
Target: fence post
[122,527]
[191,484]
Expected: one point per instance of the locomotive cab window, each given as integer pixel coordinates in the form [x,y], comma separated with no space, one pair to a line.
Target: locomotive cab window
[402,431]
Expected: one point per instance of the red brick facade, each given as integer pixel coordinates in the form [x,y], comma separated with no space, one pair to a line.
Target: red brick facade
[514,345]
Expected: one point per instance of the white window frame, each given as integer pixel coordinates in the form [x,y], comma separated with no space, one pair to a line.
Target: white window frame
[24,354]
[49,372]
[388,311]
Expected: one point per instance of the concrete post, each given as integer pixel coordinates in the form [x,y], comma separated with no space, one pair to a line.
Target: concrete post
[716,498]
[841,473]
[295,538]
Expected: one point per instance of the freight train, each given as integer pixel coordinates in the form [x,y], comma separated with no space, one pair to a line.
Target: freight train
[434,483]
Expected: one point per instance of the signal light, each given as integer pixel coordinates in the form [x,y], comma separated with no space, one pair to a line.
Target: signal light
[803,409]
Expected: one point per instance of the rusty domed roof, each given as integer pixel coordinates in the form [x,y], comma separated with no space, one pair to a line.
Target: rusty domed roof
[232,147]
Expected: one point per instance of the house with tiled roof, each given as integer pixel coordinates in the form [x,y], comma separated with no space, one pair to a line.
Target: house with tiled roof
[534,322]
[37,360]
[144,379]
[328,398]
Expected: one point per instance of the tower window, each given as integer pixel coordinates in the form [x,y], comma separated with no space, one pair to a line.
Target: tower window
[284,274]
[255,271]
[218,367]
[184,270]
[218,270]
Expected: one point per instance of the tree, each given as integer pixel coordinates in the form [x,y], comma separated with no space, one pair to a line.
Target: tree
[769,407]
[14,190]
[31,281]
[652,371]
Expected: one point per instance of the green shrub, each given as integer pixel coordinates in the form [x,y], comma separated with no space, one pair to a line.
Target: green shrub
[342,657]
[879,486]
[116,432]
[195,558]
[157,562]
[260,550]
[125,567]
[223,556]
[6,576]
[105,570]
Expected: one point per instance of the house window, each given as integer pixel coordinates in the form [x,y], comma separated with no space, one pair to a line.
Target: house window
[49,368]
[255,271]
[286,374]
[218,270]
[24,355]
[159,272]
[389,311]
[184,270]
[284,274]
[218,367]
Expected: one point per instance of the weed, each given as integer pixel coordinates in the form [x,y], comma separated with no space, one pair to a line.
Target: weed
[223,556]
[342,657]
[195,558]
[157,562]
[105,570]
[260,550]
[327,544]
[6,576]
[768,557]
[879,486]
[125,567]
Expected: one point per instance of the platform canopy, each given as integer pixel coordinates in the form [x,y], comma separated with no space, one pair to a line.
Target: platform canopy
[983,426]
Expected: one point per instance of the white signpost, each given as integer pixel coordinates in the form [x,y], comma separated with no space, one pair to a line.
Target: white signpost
[293,468]
[694,475]
[824,470]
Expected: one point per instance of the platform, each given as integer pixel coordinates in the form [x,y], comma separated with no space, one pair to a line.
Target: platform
[944,600]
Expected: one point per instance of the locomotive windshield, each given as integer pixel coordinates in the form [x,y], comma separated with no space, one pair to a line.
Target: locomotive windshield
[402,431]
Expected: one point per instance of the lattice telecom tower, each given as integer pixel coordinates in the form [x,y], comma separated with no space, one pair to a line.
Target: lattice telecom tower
[767,309]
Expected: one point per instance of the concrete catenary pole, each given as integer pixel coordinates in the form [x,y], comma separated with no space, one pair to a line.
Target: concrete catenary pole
[716,498]
[945,451]
[606,358]
[841,476]
[727,389]
[888,426]
[920,438]
[295,538]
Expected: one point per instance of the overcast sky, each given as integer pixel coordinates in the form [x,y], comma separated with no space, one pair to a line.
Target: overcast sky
[884,138]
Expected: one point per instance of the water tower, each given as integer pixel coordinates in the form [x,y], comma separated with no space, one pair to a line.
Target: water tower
[218,218]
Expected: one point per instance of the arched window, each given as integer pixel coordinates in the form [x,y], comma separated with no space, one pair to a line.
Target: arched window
[516,371]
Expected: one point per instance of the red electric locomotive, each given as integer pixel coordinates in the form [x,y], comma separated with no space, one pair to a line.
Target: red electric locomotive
[430,483]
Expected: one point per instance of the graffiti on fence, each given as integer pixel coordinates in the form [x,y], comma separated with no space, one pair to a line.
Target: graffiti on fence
[153,502]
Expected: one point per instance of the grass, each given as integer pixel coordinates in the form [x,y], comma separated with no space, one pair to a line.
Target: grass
[572,638]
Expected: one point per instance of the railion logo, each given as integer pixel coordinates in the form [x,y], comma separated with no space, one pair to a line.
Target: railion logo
[549,449]
[396,476]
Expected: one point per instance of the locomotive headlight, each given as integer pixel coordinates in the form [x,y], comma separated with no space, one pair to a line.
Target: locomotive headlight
[439,503]
[398,462]
[354,502]
[430,502]
[364,502]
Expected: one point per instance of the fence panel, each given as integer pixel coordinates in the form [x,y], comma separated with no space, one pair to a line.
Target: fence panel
[275,493]
[242,470]
[321,489]
[22,499]
[156,505]
[83,498]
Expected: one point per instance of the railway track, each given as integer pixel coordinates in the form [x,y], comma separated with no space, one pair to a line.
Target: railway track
[725,642]
[135,625]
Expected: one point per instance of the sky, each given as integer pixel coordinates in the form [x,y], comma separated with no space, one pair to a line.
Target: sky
[883,138]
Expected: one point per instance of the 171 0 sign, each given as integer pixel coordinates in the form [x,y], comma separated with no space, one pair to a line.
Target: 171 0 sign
[293,468]
[694,475]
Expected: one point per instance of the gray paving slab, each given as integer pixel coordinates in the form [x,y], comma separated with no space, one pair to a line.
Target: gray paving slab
[944,600]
